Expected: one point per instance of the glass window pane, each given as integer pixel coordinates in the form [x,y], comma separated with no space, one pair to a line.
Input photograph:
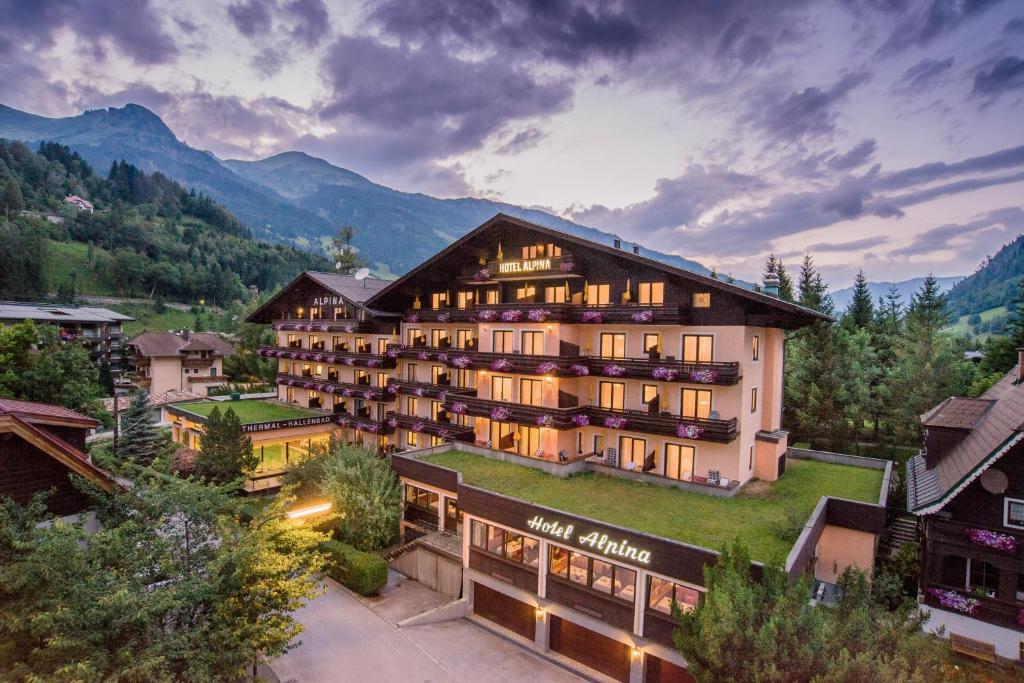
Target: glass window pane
[625,583]
[478,537]
[531,551]
[495,539]
[578,568]
[660,595]
[559,562]
[514,547]
[686,598]
[602,576]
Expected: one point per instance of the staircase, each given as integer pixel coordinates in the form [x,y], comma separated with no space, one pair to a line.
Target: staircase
[900,530]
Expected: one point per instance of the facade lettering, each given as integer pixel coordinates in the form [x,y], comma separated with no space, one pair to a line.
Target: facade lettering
[524,266]
[594,540]
[285,424]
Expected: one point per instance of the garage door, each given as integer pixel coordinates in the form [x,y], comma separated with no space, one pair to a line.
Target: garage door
[599,652]
[657,670]
[514,615]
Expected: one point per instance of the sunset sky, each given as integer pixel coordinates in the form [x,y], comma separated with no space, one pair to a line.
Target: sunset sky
[883,134]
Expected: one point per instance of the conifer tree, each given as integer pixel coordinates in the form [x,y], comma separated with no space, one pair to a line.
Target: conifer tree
[1015,323]
[226,451]
[775,268]
[140,441]
[861,310]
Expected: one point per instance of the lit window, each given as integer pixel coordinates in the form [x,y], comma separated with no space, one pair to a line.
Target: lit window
[410,439]
[598,295]
[698,348]
[465,299]
[696,403]
[613,345]
[753,399]
[612,395]
[702,300]
[651,293]
[652,343]
[756,350]
[501,341]
[533,343]
[438,300]
[1013,513]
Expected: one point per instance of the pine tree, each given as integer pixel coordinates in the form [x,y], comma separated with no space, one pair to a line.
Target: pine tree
[141,441]
[1015,323]
[227,452]
[786,292]
[813,292]
[105,378]
[11,200]
[861,310]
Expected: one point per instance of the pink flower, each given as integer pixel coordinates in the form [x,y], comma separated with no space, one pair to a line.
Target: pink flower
[614,370]
[689,431]
[538,315]
[545,421]
[664,374]
[992,539]
[500,414]
[459,408]
[615,422]
[487,315]
[501,365]
[511,316]
[592,317]
[707,376]
[644,316]
[579,369]
[547,368]
[461,362]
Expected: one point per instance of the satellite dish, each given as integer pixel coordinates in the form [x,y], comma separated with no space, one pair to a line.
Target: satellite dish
[362,273]
[994,481]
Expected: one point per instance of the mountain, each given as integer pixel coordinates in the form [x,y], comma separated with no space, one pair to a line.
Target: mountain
[906,288]
[993,284]
[291,197]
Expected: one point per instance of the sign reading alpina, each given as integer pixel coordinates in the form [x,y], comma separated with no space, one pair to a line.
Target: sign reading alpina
[593,540]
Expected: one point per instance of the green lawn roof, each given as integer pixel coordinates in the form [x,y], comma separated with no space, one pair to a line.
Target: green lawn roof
[250,411]
[754,515]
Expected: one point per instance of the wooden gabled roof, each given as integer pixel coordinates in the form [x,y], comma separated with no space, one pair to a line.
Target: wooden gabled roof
[55,447]
[356,292]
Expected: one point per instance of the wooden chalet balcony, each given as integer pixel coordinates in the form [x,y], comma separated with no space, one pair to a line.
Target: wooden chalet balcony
[443,429]
[992,610]
[658,369]
[540,312]
[363,423]
[366,360]
[347,389]
[197,362]
[206,379]
[341,325]
[519,413]
[954,535]
[426,389]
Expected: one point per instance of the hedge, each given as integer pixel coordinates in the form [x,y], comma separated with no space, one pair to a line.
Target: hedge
[364,573]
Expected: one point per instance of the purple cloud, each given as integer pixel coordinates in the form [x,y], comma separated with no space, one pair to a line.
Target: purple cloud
[925,74]
[972,239]
[859,155]
[1006,74]
[939,17]
[808,113]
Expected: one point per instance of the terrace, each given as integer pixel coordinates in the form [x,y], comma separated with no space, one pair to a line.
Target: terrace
[754,516]
[248,411]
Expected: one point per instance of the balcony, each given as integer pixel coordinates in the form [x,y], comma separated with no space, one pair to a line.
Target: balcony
[343,325]
[440,428]
[540,312]
[664,370]
[516,412]
[1004,613]
[426,389]
[364,424]
[366,360]
[345,389]
[207,379]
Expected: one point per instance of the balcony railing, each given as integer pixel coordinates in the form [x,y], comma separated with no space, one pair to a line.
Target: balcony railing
[992,610]
[658,369]
[426,389]
[342,325]
[364,424]
[367,360]
[347,389]
[956,535]
[445,430]
[539,312]
[694,429]
[204,379]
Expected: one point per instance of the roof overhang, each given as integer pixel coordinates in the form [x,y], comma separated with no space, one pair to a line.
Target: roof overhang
[968,479]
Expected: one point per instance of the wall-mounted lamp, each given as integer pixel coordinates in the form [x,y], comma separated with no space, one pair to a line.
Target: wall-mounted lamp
[636,652]
[551,327]
[540,613]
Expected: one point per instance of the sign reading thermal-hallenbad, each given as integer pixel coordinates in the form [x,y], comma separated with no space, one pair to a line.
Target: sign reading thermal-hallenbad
[594,540]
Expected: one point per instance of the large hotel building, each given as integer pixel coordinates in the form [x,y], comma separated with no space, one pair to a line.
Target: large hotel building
[528,350]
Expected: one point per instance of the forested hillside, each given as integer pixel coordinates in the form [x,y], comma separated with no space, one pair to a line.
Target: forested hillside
[993,284]
[148,235]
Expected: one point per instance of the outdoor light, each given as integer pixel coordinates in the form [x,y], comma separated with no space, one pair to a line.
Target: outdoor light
[540,613]
[636,653]
[297,513]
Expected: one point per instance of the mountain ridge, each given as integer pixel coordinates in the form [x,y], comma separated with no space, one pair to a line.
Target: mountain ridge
[842,297]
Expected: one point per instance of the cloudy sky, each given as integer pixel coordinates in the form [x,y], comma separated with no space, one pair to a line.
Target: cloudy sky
[883,134]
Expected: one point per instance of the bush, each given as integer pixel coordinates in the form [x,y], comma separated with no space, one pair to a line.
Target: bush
[364,573]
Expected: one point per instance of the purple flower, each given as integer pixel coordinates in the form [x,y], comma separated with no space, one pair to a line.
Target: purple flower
[444,317]
[412,318]
[459,408]
[500,414]
[461,362]
[707,376]
[304,356]
[442,358]
[443,433]
[346,392]
[547,368]
[416,427]
[392,422]
[392,388]
[342,421]
[487,315]
[644,316]
[482,275]
[393,351]
[423,355]
[613,370]
[442,395]
[664,374]
[418,391]
[350,328]
[501,365]
[373,363]
[689,431]
[348,361]
[615,422]
[992,539]
[511,316]
[579,369]
[955,601]
[307,385]
[538,315]
[565,266]
[580,420]
[592,317]
[545,421]
[368,394]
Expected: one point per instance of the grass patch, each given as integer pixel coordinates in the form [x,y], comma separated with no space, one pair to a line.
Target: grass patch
[251,411]
[754,517]
[69,262]
[148,319]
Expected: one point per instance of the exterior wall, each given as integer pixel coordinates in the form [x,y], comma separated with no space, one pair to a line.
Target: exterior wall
[1007,641]
[165,375]
[25,471]
[840,548]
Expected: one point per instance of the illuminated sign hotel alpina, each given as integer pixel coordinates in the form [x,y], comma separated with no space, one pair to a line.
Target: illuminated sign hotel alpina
[594,540]
[524,266]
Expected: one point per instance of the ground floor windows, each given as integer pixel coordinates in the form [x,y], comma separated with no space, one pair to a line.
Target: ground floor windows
[591,573]
[422,498]
[280,455]
[679,461]
[661,593]
[970,574]
[510,545]
[632,453]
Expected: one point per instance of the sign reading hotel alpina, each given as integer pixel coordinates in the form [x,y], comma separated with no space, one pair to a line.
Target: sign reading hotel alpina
[524,266]
[593,540]
[285,424]
[328,301]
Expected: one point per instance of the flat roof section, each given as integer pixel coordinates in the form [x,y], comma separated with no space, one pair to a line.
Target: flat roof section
[754,516]
[249,411]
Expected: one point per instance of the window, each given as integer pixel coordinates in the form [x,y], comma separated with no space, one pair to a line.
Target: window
[598,295]
[662,593]
[438,300]
[501,341]
[478,534]
[465,299]
[652,343]
[558,563]
[463,337]
[613,345]
[1013,513]
[984,577]
[601,576]
[702,300]
[556,294]
[411,405]
[526,293]
[533,343]
[753,399]
[436,371]
[756,347]
[696,403]
[435,408]
[422,498]
[651,294]
[527,440]
[579,568]
[412,334]
[698,348]
[465,379]
[531,392]
[437,337]
[954,571]
[631,453]
[750,464]
[612,395]
[382,379]
[501,388]
[598,575]
[382,345]
[410,372]
[495,539]
[492,296]
[649,395]
[679,461]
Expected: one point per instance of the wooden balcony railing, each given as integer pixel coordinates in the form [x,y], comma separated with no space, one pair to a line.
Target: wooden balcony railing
[426,389]
[658,369]
[342,325]
[206,379]
[367,360]
[445,430]
[364,424]
[992,610]
[347,389]
[957,535]
[505,411]
[540,312]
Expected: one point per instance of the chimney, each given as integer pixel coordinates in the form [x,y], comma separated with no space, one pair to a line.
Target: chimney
[618,243]
[771,286]
[636,249]
[1020,364]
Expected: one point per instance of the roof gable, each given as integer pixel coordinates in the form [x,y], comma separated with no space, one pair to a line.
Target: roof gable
[352,291]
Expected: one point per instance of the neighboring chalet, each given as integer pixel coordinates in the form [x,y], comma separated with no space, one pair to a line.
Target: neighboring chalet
[169,361]
[967,488]
[99,330]
[79,203]
[40,446]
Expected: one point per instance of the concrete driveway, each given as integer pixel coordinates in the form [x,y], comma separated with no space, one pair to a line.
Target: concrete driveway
[347,640]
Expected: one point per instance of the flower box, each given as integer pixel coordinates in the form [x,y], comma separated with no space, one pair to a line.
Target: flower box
[566,266]
[373,363]
[461,362]
[689,431]
[423,355]
[416,427]
[664,374]
[500,414]
[392,422]
[545,421]
[547,368]
[592,317]
[501,365]
[538,315]
[581,420]
[992,539]
[615,422]
[487,315]
[482,275]
[642,316]
[579,369]
[511,316]
[955,601]
[613,370]
[459,408]
[703,376]
[412,318]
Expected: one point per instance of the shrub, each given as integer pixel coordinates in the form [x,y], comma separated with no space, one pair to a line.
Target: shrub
[364,573]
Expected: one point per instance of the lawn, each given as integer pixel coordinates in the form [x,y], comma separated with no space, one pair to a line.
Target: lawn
[753,516]
[250,411]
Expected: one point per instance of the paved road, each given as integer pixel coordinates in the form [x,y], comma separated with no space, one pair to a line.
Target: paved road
[346,640]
